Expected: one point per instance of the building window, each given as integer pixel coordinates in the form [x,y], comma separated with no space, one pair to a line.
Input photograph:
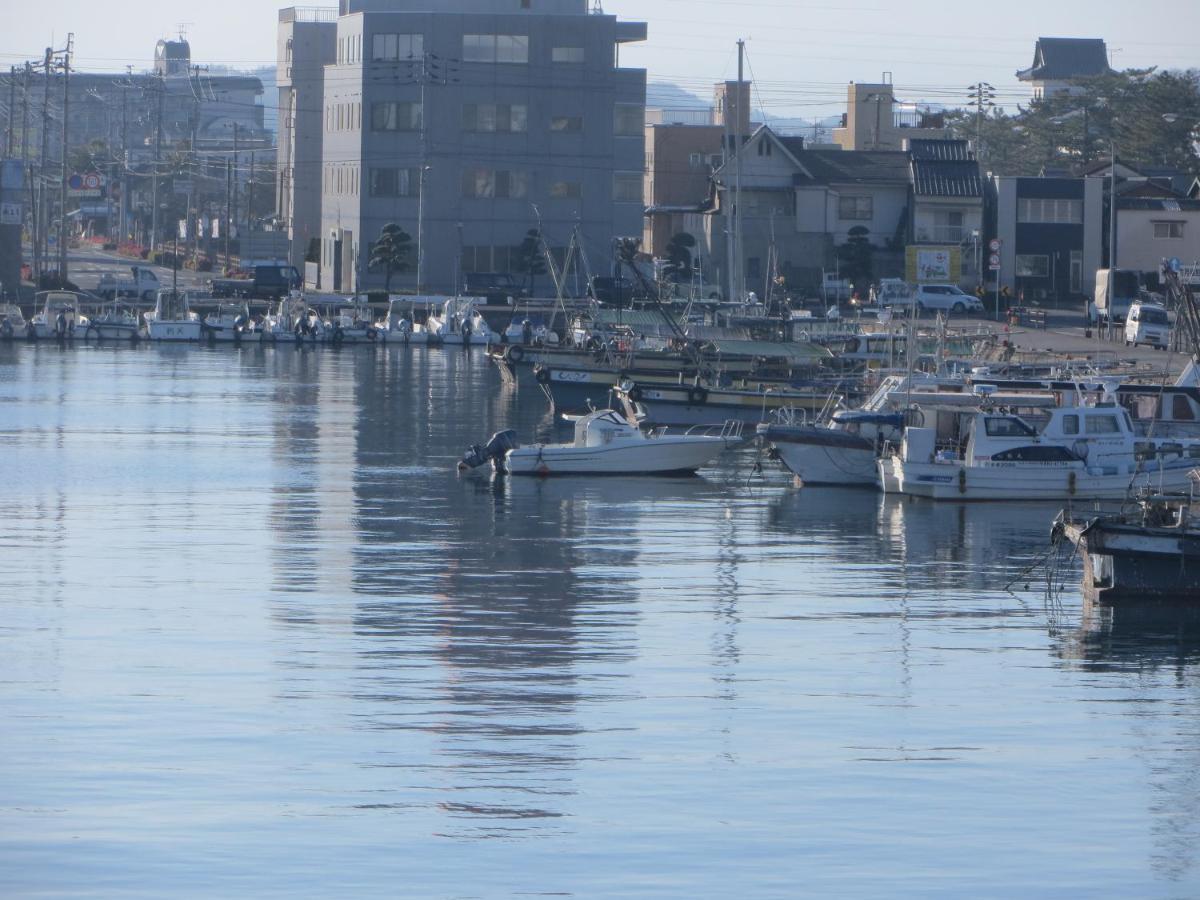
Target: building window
[496,48]
[764,147]
[629,119]
[566,124]
[1032,266]
[489,117]
[1168,230]
[627,187]
[392,47]
[1076,271]
[490,183]
[394,182]
[566,55]
[392,116]
[1039,211]
[565,189]
[856,208]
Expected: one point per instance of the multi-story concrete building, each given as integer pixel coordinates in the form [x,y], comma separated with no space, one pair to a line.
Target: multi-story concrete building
[307,40]
[683,149]
[469,125]
[875,120]
[1051,232]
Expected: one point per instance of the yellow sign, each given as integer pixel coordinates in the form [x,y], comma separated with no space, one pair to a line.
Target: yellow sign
[933,265]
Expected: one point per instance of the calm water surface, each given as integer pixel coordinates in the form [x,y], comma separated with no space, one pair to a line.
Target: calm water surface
[259,639]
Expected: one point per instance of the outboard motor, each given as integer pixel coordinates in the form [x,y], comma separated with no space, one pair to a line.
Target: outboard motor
[493,451]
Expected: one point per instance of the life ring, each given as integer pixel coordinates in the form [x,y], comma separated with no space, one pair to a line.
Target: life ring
[634,393]
[697,396]
[515,353]
[542,376]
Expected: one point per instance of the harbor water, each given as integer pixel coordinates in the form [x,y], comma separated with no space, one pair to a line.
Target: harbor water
[259,639]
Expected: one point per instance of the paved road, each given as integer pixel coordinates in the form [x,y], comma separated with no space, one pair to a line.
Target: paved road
[86,265]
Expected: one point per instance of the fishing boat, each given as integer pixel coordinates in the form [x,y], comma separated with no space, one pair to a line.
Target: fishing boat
[1078,451]
[60,317]
[1147,551]
[116,322]
[171,319]
[605,443]
[697,403]
[12,322]
[353,325]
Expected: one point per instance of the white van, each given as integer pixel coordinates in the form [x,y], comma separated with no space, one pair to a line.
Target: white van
[1147,323]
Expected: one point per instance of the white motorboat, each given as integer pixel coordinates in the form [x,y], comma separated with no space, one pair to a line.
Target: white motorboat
[292,322]
[354,325]
[60,317]
[171,319]
[12,322]
[116,322]
[459,322]
[1081,452]
[606,443]
[530,332]
[230,324]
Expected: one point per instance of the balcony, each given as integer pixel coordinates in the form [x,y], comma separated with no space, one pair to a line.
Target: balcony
[308,14]
[942,234]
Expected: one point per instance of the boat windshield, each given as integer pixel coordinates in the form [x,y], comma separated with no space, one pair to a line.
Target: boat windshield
[1008,426]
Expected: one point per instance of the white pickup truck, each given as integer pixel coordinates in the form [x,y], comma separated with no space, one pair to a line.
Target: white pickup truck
[140,284]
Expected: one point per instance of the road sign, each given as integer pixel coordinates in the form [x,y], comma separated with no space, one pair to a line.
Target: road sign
[10,214]
[994,245]
[994,261]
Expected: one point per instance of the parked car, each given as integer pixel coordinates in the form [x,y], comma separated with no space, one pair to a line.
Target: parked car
[497,287]
[616,291]
[140,284]
[264,283]
[948,298]
[1147,323]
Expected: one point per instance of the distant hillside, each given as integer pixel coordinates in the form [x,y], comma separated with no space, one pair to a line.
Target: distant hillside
[665,95]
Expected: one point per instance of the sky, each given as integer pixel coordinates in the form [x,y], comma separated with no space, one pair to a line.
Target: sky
[800,54]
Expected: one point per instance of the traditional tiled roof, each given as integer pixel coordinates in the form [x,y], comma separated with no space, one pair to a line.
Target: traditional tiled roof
[940,178]
[853,167]
[923,148]
[944,169]
[1159,204]
[1061,59]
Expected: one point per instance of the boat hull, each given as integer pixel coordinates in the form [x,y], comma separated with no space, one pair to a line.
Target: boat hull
[684,406]
[657,456]
[953,481]
[823,456]
[106,331]
[174,331]
[1127,563]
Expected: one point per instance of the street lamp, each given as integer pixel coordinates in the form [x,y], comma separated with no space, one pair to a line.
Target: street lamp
[421,226]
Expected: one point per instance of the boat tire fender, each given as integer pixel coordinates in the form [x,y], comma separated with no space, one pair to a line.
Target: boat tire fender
[338,337]
[6,330]
[634,394]
[515,353]
[542,376]
[962,481]
[697,396]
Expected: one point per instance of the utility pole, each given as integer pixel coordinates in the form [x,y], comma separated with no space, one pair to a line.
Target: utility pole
[250,199]
[158,130]
[62,188]
[228,207]
[740,284]
[12,108]
[121,213]
[43,210]
[982,97]
[233,215]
